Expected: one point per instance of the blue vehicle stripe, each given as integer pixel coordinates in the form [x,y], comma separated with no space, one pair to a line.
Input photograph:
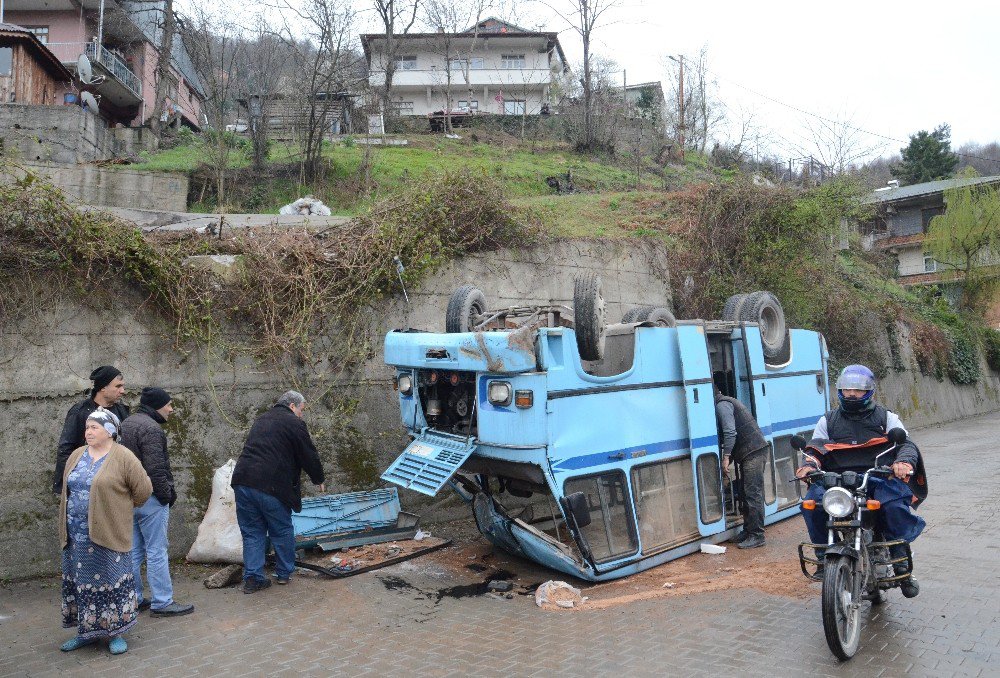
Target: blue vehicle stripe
[790,424]
[612,456]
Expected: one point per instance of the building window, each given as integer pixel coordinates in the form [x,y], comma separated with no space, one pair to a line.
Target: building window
[403,107]
[928,214]
[41,32]
[512,61]
[513,107]
[468,105]
[406,63]
[475,64]
[6,62]
[930,264]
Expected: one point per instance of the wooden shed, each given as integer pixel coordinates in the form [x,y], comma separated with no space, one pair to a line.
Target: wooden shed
[29,72]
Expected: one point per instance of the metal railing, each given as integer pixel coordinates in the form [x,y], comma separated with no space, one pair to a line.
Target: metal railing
[67,52]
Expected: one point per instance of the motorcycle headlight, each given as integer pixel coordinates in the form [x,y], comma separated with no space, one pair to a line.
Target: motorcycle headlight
[499,393]
[838,502]
[405,383]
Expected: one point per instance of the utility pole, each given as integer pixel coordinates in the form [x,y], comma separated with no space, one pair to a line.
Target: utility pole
[680,91]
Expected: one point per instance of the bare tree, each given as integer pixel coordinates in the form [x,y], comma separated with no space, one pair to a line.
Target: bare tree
[583,17]
[216,47]
[320,35]
[164,75]
[835,142]
[455,24]
[397,17]
[259,83]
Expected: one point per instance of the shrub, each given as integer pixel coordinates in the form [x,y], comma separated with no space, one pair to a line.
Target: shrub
[963,358]
[930,347]
[991,347]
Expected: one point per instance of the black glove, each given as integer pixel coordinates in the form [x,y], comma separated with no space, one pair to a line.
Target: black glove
[173,497]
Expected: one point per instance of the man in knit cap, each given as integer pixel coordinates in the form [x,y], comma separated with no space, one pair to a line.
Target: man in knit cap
[107,392]
[143,434]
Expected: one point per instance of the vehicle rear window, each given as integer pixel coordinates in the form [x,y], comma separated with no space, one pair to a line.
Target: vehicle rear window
[611,532]
[709,488]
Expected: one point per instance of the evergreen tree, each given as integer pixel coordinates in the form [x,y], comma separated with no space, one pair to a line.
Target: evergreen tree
[928,157]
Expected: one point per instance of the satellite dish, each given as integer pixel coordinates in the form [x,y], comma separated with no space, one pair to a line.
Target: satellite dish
[89,102]
[84,71]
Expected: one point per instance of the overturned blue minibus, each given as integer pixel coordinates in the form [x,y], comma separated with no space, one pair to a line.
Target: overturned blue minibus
[592,448]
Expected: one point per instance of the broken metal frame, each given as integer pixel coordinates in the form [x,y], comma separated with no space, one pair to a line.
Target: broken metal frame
[374,566]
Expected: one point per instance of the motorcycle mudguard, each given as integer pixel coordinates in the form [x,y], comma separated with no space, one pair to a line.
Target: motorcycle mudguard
[842,550]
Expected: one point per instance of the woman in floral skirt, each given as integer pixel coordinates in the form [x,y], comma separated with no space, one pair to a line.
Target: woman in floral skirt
[102,483]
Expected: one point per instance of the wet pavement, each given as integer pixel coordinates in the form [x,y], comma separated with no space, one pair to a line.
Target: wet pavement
[430,616]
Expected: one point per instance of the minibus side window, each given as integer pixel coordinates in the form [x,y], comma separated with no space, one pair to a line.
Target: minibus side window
[709,488]
[664,502]
[786,460]
[611,532]
[769,489]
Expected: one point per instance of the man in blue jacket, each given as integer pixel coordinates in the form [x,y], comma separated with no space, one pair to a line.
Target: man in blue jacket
[267,484]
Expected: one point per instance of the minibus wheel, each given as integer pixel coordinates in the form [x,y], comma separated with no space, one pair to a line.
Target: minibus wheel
[731,311]
[764,309]
[466,304]
[657,315]
[589,316]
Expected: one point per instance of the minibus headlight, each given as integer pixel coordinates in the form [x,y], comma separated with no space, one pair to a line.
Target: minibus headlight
[499,393]
[405,383]
[838,502]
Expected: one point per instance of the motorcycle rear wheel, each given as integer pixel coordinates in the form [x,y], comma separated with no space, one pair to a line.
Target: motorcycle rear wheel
[841,612]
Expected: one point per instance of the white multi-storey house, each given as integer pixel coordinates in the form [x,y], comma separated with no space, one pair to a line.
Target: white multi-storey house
[493,67]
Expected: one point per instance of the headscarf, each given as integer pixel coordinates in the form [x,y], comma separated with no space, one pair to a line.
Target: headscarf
[108,420]
[103,376]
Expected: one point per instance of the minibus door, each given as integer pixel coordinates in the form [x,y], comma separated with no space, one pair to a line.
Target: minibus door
[756,378]
[703,437]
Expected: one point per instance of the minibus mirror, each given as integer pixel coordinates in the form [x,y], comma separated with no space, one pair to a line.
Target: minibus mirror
[798,443]
[897,436]
[576,505]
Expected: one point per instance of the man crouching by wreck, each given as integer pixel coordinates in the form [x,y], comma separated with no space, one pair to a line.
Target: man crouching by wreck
[267,485]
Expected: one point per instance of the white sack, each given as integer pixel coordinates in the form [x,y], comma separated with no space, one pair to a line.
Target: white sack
[306,206]
[219,539]
[558,593]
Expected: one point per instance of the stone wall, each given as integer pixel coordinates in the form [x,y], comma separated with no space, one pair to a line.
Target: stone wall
[66,134]
[47,357]
[117,186]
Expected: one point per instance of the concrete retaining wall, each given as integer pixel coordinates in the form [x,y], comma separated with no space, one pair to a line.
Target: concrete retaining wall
[66,134]
[117,187]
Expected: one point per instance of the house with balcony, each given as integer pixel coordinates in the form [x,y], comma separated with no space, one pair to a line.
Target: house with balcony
[492,67]
[120,38]
[902,219]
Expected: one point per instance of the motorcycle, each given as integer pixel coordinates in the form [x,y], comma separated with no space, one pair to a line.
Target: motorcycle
[856,564]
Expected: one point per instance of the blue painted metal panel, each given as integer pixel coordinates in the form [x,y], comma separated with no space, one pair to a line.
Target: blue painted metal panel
[345,513]
[429,462]
[509,424]
[473,351]
[699,400]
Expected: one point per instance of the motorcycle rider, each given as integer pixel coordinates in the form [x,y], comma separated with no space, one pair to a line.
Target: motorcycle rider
[858,420]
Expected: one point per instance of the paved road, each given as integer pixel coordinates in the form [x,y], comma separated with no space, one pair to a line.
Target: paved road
[397,621]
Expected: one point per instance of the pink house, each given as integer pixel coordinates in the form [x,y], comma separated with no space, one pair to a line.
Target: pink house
[122,47]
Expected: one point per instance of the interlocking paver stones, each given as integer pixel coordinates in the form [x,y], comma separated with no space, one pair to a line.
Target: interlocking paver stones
[362,627]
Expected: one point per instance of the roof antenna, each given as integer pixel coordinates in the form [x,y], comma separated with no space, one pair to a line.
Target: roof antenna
[399,272]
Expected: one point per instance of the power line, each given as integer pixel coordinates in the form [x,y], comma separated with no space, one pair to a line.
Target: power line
[835,122]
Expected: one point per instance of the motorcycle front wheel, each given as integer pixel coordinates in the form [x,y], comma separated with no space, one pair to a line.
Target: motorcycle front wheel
[841,609]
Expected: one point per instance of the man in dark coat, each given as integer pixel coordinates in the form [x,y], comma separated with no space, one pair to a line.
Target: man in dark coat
[109,387]
[267,485]
[743,443]
[143,434]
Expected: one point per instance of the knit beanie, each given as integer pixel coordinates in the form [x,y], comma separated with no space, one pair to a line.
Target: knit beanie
[154,397]
[103,376]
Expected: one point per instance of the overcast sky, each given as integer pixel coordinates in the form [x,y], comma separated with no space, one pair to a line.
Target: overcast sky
[893,67]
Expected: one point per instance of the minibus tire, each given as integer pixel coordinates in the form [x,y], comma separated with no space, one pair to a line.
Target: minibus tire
[633,314]
[659,316]
[764,309]
[589,316]
[731,311]
[465,303]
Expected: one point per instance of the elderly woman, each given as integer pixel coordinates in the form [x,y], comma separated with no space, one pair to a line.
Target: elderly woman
[102,483]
